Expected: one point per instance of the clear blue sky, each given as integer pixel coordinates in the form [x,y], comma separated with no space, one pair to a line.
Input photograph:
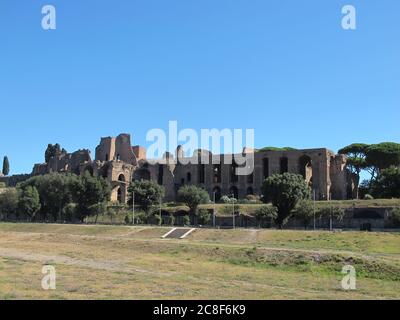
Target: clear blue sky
[283,67]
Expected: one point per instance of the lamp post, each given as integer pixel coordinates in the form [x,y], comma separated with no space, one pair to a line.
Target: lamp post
[214,210]
[330,208]
[133,207]
[314,206]
[160,211]
[233,210]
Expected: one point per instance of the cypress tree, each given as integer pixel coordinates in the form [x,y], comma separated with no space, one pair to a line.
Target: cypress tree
[6,166]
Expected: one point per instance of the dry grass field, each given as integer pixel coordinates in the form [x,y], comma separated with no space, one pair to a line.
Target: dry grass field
[122,262]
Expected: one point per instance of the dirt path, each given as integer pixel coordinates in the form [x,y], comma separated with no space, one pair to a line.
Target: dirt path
[59,259]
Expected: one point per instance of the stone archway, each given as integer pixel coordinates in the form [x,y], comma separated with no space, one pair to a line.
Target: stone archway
[119,195]
[305,168]
[218,193]
[234,191]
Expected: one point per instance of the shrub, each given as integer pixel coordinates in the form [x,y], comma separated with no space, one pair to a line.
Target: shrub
[226,199]
[253,199]
[186,220]
[140,217]
[265,212]
[171,221]
[128,218]
[395,216]
[98,209]
[203,217]
[229,209]
[112,213]
[8,203]
[69,212]
[157,218]
[331,212]
[305,212]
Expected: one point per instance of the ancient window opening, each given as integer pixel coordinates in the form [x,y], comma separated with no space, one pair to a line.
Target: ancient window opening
[250,178]
[217,173]
[234,176]
[202,173]
[121,178]
[119,195]
[217,193]
[160,174]
[106,158]
[284,167]
[250,191]
[234,192]
[265,168]
[189,177]
[305,168]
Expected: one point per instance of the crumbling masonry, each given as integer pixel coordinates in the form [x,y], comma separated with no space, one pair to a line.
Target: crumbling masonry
[120,163]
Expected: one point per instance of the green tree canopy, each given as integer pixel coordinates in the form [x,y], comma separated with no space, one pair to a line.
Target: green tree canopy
[356,154]
[285,191]
[383,155]
[89,193]
[305,212]
[29,202]
[8,203]
[387,185]
[6,166]
[57,190]
[147,193]
[264,213]
[54,191]
[52,151]
[331,211]
[192,196]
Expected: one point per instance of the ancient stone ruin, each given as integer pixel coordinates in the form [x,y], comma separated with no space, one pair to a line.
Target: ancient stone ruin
[120,163]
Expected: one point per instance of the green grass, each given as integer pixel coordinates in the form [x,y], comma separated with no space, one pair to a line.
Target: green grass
[121,262]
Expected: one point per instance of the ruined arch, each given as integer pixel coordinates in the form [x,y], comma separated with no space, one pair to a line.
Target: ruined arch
[218,193]
[217,173]
[121,178]
[305,168]
[234,191]
[201,173]
[119,195]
